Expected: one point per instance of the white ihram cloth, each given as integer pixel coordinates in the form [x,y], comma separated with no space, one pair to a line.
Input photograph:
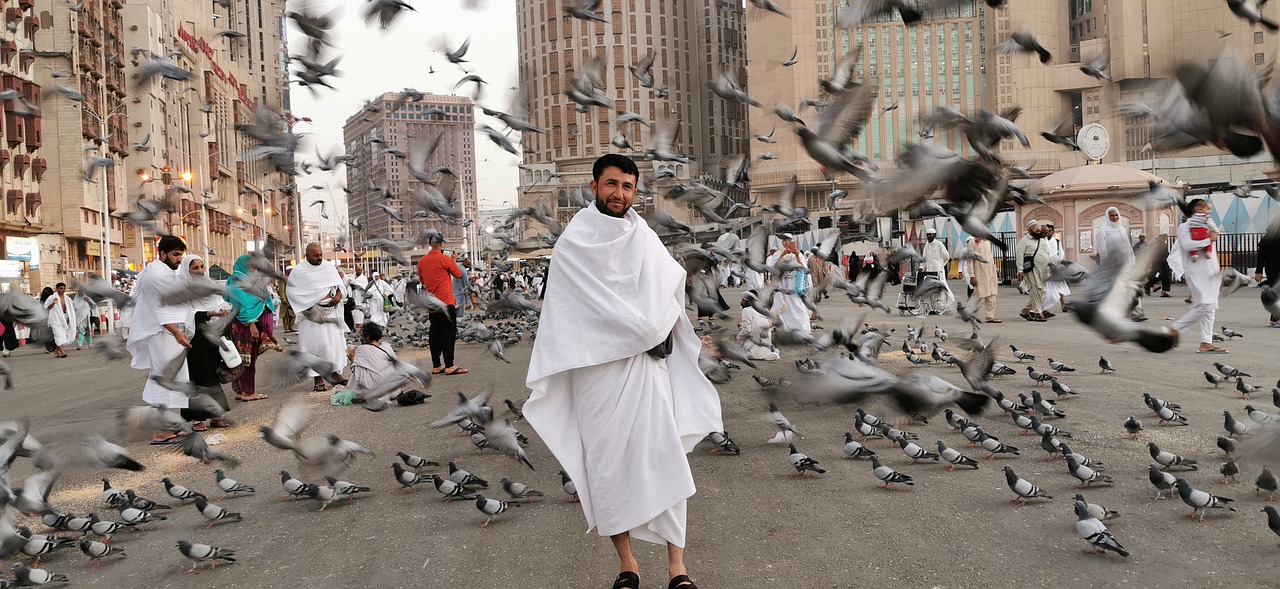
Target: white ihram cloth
[305,287]
[618,420]
[152,346]
[789,308]
[1054,290]
[378,291]
[936,257]
[62,319]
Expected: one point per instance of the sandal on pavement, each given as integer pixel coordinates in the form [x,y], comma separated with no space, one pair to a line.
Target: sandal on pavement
[455,370]
[681,582]
[1213,350]
[437,370]
[199,427]
[219,423]
[253,397]
[174,439]
[626,580]
[994,320]
[320,388]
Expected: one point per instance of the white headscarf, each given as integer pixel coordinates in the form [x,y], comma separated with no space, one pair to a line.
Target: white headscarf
[206,303]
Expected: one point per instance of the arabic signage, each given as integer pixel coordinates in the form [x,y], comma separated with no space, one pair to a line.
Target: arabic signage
[200,46]
[23,249]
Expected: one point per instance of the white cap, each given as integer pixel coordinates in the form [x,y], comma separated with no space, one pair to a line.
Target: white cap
[932,231]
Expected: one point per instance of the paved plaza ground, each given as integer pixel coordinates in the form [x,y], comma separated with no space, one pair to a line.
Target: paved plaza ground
[751,524]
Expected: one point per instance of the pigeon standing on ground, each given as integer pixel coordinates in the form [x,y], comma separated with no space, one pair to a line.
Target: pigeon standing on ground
[1214,379]
[29,577]
[1267,481]
[1161,480]
[491,508]
[96,551]
[294,487]
[179,492]
[1059,366]
[1132,425]
[954,457]
[1168,460]
[519,490]
[215,513]
[1230,470]
[1020,355]
[568,486]
[1105,365]
[229,485]
[888,476]
[801,462]
[724,446]
[1094,532]
[198,553]
[1024,488]
[1233,427]
[854,449]
[1200,500]
[1273,519]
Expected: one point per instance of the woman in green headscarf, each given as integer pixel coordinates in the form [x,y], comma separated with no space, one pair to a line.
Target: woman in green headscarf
[252,330]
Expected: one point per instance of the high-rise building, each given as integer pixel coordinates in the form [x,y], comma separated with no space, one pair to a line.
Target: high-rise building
[23,162]
[938,62]
[168,140]
[380,135]
[1144,45]
[692,43]
[260,52]
[87,54]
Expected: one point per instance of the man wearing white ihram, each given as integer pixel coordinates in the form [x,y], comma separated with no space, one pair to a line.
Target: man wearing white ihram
[613,345]
[314,289]
[158,335]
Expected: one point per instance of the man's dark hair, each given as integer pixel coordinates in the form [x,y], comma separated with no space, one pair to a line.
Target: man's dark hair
[614,160]
[60,285]
[1191,206]
[371,331]
[169,243]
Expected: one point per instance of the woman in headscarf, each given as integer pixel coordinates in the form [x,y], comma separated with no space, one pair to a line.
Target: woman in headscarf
[49,346]
[84,309]
[203,358]
[1114,255]
[253,329]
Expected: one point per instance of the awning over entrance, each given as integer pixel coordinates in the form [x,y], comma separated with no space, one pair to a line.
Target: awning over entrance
[217,273]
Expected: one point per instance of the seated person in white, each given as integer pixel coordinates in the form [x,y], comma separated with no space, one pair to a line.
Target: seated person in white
[755,331]
[372,362]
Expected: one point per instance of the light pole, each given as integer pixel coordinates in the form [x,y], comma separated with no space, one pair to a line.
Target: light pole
[106,203]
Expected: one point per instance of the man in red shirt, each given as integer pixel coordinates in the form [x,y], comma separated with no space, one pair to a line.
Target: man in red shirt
[436,272]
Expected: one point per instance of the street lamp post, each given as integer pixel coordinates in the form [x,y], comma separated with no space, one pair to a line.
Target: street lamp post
[106,203]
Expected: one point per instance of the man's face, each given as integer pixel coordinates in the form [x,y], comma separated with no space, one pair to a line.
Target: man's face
[314,256]
[173,259]
[931,236]
[1048,230]
[1035,230]
[615,191]
[62,289]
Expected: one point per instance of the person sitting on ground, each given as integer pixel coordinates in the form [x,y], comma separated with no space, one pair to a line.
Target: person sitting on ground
[755,328]
[372,362]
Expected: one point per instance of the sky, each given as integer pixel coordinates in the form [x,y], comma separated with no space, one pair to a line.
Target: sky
[376,61]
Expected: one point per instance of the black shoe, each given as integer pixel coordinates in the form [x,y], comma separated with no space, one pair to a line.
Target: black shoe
[1048,315]
[681,582]
[1164,295]
[626,580]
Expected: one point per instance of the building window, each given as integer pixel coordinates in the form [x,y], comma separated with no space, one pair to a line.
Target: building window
[1259,58]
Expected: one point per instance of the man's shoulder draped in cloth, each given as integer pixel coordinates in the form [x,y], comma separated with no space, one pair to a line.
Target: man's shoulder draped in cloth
[308,284]
[614,292]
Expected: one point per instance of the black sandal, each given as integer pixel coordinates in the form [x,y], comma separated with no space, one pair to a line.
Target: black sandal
[627,580]
[681,582]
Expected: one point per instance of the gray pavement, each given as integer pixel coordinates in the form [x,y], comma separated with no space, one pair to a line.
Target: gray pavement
[751,523]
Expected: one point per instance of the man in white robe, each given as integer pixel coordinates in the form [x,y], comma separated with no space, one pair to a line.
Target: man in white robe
[378,292]
[62,318]
[1202,277]
[316,283]
[755,331]
[357,285]
[158,334]
[1054,290]
[788,304]
[617,393]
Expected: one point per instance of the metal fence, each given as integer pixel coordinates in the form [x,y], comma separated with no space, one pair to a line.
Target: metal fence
[1238,250]
[1008,258]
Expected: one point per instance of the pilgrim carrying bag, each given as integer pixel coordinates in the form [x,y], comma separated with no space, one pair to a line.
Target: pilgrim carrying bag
[232,365]
[1029,264]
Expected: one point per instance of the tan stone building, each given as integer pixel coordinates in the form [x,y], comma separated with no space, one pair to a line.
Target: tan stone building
[379,134]
[24,157]
[692,43]
[939,62]
[192,155]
